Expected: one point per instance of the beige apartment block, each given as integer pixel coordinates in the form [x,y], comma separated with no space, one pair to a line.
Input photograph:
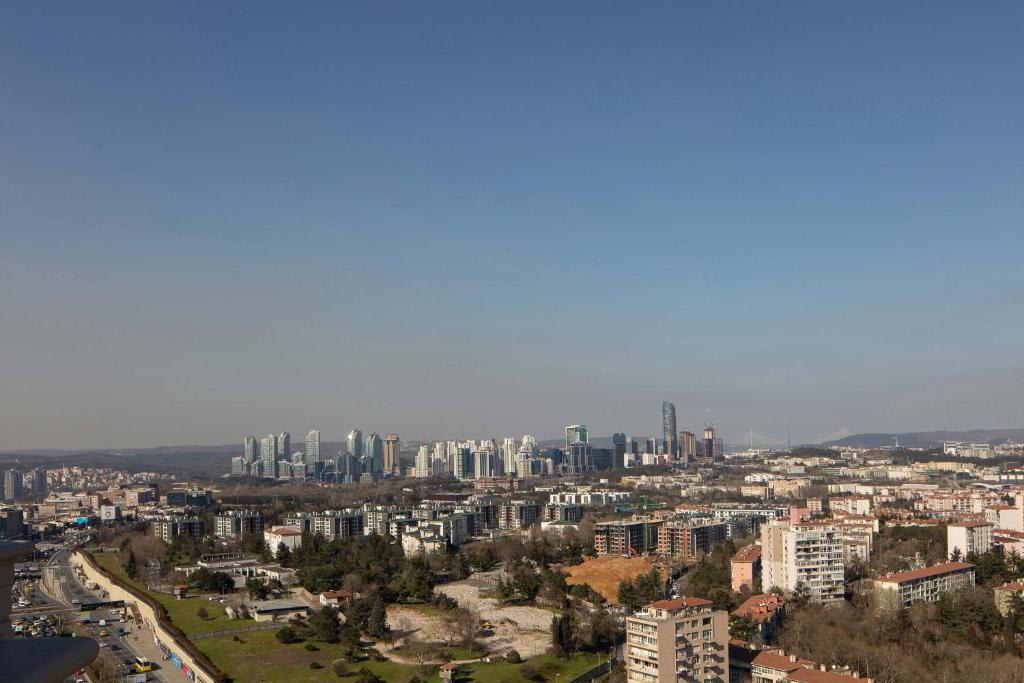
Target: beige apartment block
[683,640]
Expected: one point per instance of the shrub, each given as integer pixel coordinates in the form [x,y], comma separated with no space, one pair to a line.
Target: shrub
[315,665]
[311,647]
[530,674]
[340,667]
[286,634]
[513,656]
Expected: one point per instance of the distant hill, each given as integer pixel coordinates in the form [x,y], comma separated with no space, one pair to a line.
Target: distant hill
[929,439]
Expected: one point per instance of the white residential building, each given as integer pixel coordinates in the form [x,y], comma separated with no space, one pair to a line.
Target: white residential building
[806,552]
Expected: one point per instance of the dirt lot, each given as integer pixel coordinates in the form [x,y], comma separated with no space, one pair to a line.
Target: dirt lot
[604,573]
[522,628]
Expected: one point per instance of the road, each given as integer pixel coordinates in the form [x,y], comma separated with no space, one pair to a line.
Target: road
[66,592]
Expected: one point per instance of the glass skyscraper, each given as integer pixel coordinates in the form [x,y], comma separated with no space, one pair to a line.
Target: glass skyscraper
[312,454]
[668,427]
[355,443]
[575,434]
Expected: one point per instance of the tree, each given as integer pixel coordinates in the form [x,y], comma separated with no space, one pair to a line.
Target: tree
[257,588]
[563,634]
[131,566]
[742,628]
[627,595]
[600,630]
[377,622]
[325,625]
[283,554]
[202,613]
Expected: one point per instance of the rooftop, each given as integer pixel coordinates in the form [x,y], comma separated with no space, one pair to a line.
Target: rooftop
[748,553]
[925,572]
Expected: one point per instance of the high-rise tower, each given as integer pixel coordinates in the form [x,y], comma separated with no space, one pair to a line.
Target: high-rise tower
[668,428]
[391,444]
[312,455]
[355,443]
[374,451]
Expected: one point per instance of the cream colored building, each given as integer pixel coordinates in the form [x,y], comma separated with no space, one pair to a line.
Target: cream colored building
[808,553]
[683,640]
[968,537]
[923,585]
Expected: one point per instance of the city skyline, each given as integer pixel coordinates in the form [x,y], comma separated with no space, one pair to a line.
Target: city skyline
[447,219]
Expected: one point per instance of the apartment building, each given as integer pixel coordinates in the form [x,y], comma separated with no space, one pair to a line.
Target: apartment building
[923,585]
[625,538]
[968,537]
[687,538]
[330,524]
[807,553]
[517,514]
[236,524]
[168,528]
[683,640]
[746,568]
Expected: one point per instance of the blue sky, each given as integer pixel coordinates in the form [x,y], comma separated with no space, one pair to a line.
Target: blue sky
[476,219]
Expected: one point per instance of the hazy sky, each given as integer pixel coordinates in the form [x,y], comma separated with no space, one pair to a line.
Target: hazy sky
[476,219]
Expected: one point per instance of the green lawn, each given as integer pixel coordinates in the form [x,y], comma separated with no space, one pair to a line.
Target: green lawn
[550,667]
[181,612]
[260,658]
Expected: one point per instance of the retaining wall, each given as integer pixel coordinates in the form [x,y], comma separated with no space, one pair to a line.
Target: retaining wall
[173,642]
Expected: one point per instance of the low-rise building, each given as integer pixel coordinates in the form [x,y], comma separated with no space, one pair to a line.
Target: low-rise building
[775,666]
[288,536]
[1005,596]
[766,610]
[923,585]
[746,568]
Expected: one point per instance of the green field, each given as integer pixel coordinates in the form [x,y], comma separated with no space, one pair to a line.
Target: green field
[550,667]
[259,657]
[181,612]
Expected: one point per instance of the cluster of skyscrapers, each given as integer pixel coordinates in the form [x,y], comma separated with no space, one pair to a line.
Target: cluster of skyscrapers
[372,458]
[271,458]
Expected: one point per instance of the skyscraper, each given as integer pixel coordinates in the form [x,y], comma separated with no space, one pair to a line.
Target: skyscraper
[687,447]
[312,455]
[709,443]
[391,447]
[268,455]
[12,485]
[374,452]
[355,442]
[423,468]
[284,446]
[619,457]
[575,434]
[668,428]
[251,449]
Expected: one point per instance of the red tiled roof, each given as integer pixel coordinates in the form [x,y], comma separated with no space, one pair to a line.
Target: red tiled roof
[773,659]
[760,607]
[748,553]
[818,676]
[924,572]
